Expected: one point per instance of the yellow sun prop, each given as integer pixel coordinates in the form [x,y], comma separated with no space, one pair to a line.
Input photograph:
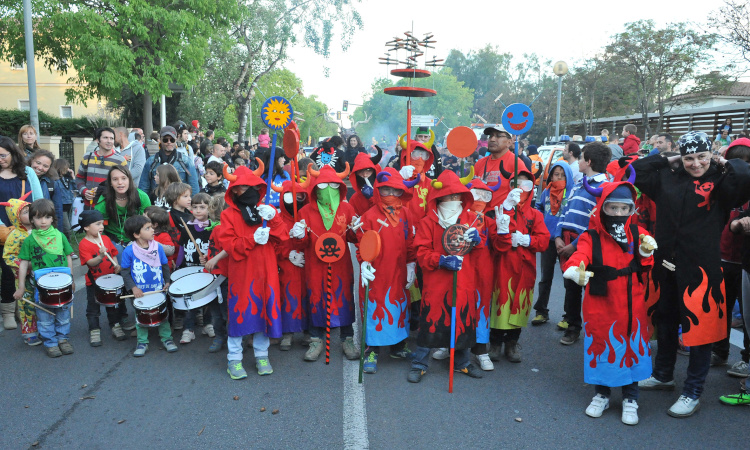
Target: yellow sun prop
[276,113]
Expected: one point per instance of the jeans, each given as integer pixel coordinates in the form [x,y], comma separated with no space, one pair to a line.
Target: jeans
[421,358]
[733,286]
[667,323]
[629,391]
[53,329]
[261,342]
[498,337]
[165,332]
[93,310]
[344,332]
[220,312]
[547,260]
[394,348]
[573,300]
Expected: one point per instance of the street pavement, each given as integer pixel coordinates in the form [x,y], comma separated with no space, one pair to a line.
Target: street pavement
[104,397]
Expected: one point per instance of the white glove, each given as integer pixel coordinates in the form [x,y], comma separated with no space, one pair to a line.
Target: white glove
[297,258]
[502,221]
[406,172]
[261,235]
[266,212]
[367,273]
[514,196]
[356,222]
[524,240]
[514,238]
[411,274]
[298,230]
[578,274]
[648,245]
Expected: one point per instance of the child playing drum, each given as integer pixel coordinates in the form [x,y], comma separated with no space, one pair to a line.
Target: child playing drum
[145,269]
[46,253]
[98,252]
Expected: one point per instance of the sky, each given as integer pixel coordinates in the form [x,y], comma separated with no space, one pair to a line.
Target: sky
[568,31]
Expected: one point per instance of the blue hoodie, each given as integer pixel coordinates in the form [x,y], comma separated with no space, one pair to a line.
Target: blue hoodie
[543,203]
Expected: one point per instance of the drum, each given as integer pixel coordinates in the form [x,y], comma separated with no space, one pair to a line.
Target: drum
[55,289]
[151,310]
[179,273]
[194,290]
[109,288]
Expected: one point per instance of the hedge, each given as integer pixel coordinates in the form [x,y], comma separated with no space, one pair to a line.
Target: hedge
[11,120]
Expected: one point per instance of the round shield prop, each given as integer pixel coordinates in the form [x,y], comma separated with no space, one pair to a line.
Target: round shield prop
[330,247]
[517,118]
[276,113]
[369,246]
[462,142]
[291,142]
[454,242]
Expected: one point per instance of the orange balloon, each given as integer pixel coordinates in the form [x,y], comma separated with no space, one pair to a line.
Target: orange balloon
[462,142]
[369,246]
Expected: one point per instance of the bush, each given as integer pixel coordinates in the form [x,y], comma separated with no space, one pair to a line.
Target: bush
[11,120]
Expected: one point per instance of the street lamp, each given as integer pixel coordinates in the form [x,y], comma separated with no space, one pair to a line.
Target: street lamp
[560,70]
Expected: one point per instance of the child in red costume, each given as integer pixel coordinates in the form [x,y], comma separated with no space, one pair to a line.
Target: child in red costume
[421,160]
[616,347]
[328,212]
[365,169]
[449,203]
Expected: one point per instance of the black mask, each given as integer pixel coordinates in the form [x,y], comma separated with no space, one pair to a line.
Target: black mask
[615,225]
[248,205]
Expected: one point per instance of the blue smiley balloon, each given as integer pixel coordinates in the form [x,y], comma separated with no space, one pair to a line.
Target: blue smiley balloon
[517,118]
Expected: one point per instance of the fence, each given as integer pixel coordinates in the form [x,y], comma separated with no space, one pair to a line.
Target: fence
[66,151]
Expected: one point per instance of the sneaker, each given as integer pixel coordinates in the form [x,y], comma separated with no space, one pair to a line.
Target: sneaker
[117,332]
[32,340]
[471,370]
[539,319]
[743,398]
[513,351]
[263,366]
[74,256]
[495,352]
[629,412]
[371,363]
[652,384]
[402,354]
[286,342]
[306,339]
[570,337]
[597,406]
[349,349]
[208,330]
[54,352]
[684,407]
[65,347]
[740,369]
[140,350]
[562,325]
[235,370]
[127,324]
[415,375]
[441,354]
[216,345]
[188,336]
[170,346]
[717,360]
[177,323]
[95,337]
[485,363]
[315,349]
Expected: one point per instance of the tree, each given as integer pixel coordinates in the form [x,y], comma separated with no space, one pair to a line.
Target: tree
[732,21]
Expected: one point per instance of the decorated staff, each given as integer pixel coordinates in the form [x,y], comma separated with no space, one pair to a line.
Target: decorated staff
[517,119]
[276,113]
[369,249]
[328,248]
[291,147]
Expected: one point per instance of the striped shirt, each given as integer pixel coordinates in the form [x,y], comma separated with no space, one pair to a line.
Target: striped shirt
[575,215]
[94,169]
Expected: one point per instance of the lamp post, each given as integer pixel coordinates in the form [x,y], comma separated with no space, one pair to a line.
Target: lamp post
[560,69]
[30,71]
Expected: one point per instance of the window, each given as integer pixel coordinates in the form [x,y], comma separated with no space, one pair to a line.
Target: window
[16,66]
[66,112]
[23,105]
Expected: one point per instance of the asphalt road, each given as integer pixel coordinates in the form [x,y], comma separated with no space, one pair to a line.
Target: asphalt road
[103,397]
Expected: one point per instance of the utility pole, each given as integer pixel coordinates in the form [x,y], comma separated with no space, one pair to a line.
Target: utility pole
[30,71]
[560,69]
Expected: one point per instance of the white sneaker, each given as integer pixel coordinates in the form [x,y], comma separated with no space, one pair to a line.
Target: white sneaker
[652,384]
[684,407]
[209,330]
[485,363]
[441,353]
[598,404]
[188,336]
[629,412]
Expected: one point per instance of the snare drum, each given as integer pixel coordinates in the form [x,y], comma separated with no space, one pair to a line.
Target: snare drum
[150,310]
[55,289]
[108,289]
[193,291]
[179,273]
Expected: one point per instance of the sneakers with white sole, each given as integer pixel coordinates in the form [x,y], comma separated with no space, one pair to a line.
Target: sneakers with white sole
[652,384]
[629,412]
[684,407]
[740,369]
[441,353]
[597,406]
[208,330]
[485,363]
[188,336]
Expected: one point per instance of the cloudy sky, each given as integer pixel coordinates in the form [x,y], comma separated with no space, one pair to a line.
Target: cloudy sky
[569,31]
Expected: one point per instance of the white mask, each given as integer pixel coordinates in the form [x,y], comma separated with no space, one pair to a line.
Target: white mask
[448,212]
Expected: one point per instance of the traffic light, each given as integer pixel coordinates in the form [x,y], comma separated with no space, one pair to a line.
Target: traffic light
[346,105]
[338,115]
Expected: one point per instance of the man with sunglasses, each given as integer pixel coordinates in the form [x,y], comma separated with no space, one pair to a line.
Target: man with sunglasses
[95,166]
[488,168]
[168,155]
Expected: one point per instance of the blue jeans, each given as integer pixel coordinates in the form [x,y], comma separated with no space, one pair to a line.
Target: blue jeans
[53,329]
[220,312]
[421,358]
[261,342]
[320,332]
[629,391]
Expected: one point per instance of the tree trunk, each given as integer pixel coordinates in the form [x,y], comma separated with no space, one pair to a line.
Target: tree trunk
[242,113]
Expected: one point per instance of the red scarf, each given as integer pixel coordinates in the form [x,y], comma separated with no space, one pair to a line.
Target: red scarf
[391,207]
[556,192]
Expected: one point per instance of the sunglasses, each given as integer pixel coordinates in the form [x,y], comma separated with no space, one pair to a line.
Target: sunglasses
[167,139]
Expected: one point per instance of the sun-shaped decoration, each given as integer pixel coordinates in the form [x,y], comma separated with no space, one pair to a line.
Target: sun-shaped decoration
[276,113]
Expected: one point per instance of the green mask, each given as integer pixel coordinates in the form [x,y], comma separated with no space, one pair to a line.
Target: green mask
[328,203]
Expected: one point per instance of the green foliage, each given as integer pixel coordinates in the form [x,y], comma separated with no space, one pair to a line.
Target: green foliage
[11,120]
[230,118]
[732,22]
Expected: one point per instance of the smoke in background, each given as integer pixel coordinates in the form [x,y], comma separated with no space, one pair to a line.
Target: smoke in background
[385,137]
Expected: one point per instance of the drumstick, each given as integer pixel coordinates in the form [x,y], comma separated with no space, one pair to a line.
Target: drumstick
[37,306]
[190,235]
[101,245]
[144,294]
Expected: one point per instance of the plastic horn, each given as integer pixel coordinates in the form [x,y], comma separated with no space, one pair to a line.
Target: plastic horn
[412,183]
[596,192]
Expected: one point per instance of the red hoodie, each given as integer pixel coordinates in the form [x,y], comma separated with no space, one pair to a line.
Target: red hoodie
[631,145]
